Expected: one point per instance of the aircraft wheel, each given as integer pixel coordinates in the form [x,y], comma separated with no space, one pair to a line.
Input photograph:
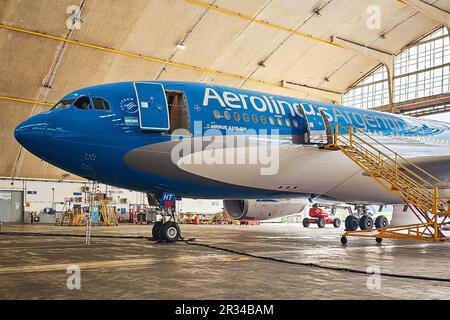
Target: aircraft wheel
[351,223]
[170,232]
[344,240]
[321,223]
[381,222]
[337,223]
[156,231]
[306,222]
[366,223]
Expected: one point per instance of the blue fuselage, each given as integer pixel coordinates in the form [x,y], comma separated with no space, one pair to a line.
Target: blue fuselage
[97,143]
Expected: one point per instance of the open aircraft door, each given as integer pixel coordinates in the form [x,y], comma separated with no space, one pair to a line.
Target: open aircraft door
[318,126]
[153,108]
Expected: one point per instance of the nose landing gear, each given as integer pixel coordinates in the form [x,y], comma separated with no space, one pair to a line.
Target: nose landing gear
[167,230]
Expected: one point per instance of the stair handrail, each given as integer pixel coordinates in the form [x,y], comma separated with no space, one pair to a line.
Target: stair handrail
[390,166]
[351,130]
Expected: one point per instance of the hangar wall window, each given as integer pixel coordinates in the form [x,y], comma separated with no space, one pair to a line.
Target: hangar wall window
[421,70]
[372,91]
[83,103]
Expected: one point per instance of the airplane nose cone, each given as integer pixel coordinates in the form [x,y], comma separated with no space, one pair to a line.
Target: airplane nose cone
[43,136]
[21,133]
[31,133]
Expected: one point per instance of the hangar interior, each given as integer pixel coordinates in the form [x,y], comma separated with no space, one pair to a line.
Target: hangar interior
[385,55]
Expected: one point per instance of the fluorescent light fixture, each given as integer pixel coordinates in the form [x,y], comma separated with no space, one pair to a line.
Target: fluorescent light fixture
[181,46]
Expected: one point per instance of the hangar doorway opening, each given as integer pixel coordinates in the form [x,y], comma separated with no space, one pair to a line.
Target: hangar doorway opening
[178,111]
[11,207]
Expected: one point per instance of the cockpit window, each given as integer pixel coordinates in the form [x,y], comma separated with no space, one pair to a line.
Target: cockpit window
[83,103]
[101,104]
[63,104]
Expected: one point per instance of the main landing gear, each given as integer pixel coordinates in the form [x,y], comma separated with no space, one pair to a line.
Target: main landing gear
[365,221]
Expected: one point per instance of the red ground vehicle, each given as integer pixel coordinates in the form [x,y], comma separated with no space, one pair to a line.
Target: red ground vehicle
[321,218]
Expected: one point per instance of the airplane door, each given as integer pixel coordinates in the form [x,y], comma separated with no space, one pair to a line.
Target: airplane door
[318,126]
[153,108]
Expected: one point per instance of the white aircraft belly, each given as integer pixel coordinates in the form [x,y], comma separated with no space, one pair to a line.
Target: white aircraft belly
[304,169]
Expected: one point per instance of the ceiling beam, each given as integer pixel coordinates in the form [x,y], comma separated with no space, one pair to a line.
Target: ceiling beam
[418,104]
[379,55]
[147,58]
[261,22]
[335,95]
[139,56]
[26,101]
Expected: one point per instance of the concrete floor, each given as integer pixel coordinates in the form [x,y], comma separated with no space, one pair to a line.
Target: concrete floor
[33,267]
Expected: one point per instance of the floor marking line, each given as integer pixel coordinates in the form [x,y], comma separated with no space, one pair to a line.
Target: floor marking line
[116,263]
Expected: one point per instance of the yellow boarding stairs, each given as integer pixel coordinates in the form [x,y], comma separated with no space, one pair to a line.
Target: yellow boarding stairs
[421,191]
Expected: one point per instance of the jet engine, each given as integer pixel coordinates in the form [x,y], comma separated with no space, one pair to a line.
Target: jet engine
[263,209]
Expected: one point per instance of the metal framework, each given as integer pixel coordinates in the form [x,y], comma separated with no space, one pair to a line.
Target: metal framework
[421,70]
[419,189]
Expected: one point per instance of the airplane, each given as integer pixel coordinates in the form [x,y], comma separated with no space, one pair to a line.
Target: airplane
[256,151]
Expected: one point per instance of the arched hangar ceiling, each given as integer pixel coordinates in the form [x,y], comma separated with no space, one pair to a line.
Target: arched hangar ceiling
[255,44]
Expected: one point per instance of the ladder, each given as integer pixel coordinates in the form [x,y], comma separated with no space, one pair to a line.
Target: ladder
[65,213]
[421,191]
[108,213]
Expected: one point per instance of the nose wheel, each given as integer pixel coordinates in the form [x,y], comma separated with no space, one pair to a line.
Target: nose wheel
[166,231]
[170,232]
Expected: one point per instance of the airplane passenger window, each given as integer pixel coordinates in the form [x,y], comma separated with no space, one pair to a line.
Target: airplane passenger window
[246,117]
[237,116]
[263,119]
[63,104]
[83,103]
[255,118]
[101,104]
[217,114]
[272,121]
[227,115]
[288,122]
[280,122]
[295,123]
